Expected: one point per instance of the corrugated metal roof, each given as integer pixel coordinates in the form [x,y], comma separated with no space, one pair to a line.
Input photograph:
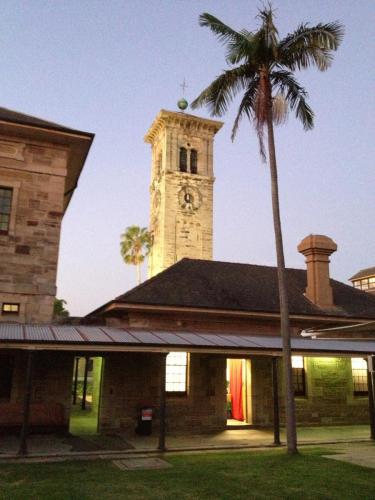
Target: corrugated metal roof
[102,337]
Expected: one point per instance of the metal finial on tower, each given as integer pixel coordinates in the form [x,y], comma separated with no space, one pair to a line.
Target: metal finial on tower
[184,87]
[182,103]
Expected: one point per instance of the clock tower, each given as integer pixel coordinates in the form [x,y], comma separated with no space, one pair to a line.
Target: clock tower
[181,188]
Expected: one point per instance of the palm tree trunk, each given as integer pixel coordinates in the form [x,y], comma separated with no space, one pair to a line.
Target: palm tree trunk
[291,434]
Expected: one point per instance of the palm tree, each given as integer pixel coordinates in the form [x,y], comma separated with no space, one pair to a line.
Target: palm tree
[262,66]
[135,245]
[59,310]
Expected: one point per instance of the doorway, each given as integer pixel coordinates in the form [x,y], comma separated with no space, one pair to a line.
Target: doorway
[86,391]
[238,392]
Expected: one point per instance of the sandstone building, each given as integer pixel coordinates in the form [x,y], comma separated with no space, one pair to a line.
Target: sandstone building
[176,343]
[40,163]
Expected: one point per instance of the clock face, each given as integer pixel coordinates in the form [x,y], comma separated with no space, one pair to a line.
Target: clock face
[189,198]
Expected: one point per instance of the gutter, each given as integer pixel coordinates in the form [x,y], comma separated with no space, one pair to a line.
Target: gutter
[368,327]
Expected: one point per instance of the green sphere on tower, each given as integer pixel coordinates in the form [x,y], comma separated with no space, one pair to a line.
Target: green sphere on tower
[182,104]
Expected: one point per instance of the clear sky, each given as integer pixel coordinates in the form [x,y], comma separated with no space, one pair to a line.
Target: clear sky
[109,66]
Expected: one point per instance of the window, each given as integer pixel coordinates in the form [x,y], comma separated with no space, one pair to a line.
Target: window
[5,208]
[176,372]
[298,373]
[359,374]
[193,161]
[6,376]
[183,160]
[10,308]
[365,283]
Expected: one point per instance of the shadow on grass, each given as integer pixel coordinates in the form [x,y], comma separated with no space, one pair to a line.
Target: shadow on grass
[265,474]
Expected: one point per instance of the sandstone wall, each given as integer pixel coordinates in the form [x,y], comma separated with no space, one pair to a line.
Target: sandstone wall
[132,380]
[29,252]
[329,396]
[51,391]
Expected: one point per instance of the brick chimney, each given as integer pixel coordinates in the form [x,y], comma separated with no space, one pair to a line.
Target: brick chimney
[317,248]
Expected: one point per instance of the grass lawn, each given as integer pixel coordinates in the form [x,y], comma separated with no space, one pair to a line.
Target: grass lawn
[261,474]
[83,421]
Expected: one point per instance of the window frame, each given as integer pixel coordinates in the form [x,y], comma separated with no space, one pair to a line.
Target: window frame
[357,379]
[193,159]
[11,312]
[183,160]
[6,213]
[299,379]
[184,392]
[15,186]
[367,283]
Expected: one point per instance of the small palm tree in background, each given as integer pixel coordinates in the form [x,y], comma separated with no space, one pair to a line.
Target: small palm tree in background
[262,66]
[59,310]
[135,245]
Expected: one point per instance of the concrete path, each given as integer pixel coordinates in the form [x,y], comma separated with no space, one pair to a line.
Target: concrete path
[48,446]
[355,453]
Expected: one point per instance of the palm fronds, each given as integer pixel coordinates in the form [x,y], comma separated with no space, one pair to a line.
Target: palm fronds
[309,46]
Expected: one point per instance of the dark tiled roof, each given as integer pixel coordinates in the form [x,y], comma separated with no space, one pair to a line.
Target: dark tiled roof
[364,273]
[8,115]
[241,287]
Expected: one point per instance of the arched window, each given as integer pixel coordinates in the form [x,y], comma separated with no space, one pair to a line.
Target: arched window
[183,160]
[194,161]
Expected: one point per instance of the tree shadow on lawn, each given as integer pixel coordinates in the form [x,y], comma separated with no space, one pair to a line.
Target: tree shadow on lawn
[255,474]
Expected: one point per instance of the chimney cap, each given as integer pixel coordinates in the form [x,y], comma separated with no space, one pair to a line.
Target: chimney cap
[317,244]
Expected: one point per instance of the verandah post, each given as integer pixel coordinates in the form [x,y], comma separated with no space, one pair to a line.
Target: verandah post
[276,410]
[75,387]
[26,404]
[84,392]
[162,404]
[371,397]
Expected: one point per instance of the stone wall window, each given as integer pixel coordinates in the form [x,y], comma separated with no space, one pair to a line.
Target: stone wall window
[176,373]
[6,376]
[299,378]
[183,160]
[10,308]
[194,161]
[359,374]
[5,208]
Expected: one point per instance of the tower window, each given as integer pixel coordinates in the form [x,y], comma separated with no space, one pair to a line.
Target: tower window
[359,374]
[5,208]
[298,373]
[183,160]
[193,161]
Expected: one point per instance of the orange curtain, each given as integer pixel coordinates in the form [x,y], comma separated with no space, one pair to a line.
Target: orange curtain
[235,385]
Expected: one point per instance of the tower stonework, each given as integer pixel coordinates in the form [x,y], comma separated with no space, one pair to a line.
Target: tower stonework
[181,188]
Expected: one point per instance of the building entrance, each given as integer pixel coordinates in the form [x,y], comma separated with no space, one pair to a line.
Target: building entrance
[238,392]
[86,389]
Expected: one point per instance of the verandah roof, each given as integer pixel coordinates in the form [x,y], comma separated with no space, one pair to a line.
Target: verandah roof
[103,338]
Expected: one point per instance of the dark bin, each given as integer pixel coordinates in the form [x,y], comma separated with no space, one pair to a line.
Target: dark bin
[144,427]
